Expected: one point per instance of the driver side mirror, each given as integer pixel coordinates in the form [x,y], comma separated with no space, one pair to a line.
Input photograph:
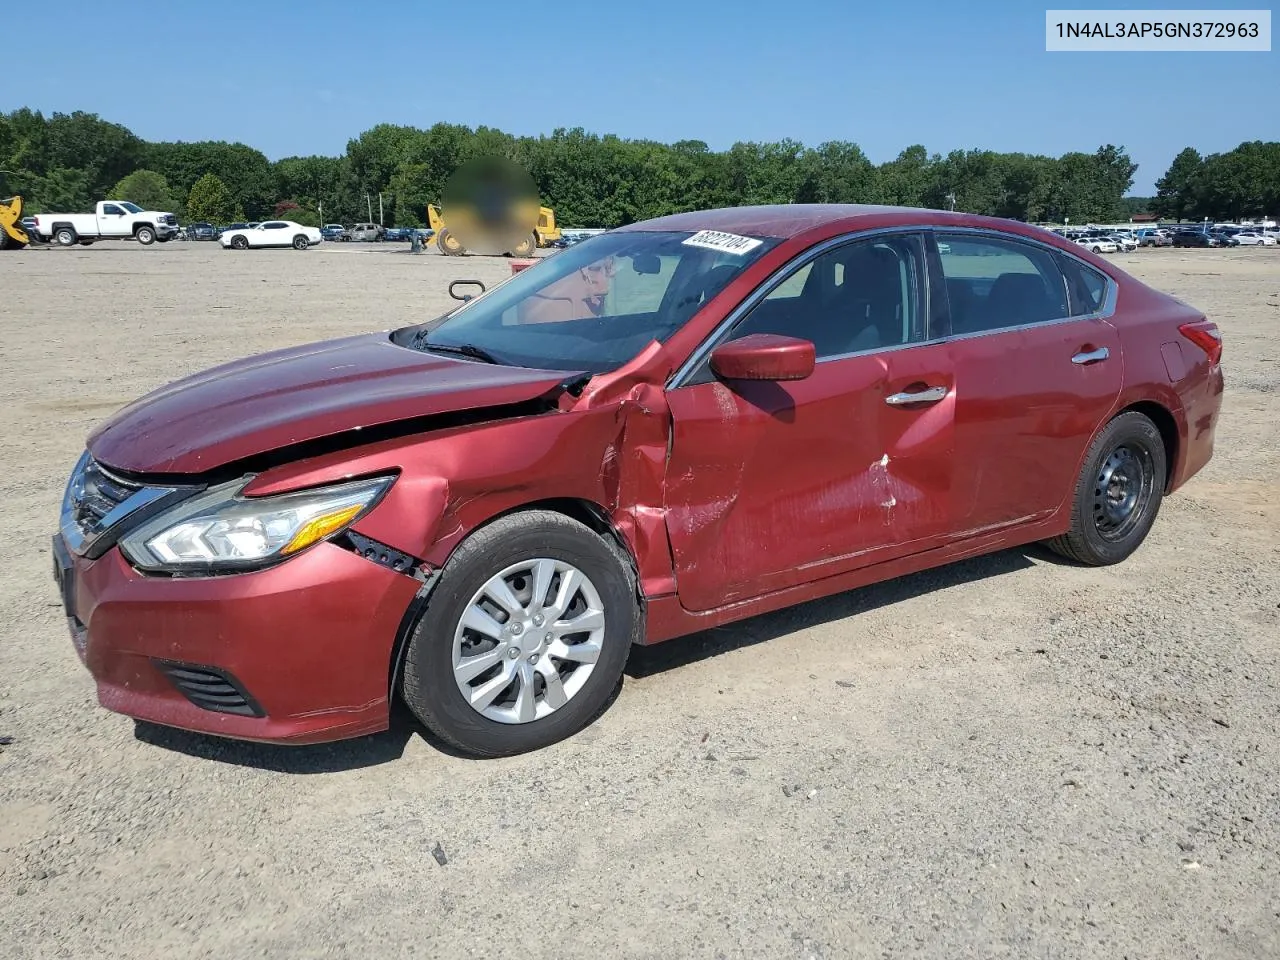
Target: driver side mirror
[764,356]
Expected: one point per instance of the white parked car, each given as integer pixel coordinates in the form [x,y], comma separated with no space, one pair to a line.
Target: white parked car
[1125,241]
[271,233]
[1248,238]
[1098,244]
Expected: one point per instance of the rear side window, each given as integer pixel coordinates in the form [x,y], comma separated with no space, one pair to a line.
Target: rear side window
[993,283]
[1085,285]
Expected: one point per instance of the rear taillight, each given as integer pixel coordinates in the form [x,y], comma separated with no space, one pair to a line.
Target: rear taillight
[1205,335]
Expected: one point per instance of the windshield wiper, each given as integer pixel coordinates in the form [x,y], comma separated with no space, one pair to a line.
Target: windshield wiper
[463,350]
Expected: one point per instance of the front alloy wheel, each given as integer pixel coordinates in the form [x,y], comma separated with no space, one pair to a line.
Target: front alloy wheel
[524,635]
[528,641]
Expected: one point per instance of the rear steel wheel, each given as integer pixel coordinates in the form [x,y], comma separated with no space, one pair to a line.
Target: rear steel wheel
[1117,494]
[1122,491]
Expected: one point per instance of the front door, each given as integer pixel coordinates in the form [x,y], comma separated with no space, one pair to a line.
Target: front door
[774,484]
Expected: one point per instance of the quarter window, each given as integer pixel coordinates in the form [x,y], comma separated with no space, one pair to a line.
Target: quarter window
[994,283]
[864,295]
[1088,287]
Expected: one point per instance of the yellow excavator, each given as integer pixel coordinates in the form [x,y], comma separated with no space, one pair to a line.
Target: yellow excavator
[12,236]
[545,233]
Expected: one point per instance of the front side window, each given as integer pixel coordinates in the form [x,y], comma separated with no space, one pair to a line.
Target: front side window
[595,305]
[993,283]
[273,226]
[111,210]
[864,295]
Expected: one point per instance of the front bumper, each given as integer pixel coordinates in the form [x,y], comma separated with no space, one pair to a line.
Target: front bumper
[308,642]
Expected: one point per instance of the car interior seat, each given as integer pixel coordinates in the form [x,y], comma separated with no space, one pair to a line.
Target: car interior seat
[1017,298]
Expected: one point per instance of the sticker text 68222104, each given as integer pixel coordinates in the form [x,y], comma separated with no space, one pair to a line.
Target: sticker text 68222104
[724,242]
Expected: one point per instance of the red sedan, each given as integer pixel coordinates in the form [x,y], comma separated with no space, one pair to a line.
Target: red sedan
[668,427]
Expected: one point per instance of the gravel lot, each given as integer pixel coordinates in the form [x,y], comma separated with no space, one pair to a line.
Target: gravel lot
[1006,757]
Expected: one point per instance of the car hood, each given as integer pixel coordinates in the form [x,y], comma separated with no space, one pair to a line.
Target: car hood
[262,403]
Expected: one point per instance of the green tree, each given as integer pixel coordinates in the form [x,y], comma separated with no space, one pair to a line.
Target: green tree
[62,190]
[1177,191]
[246,172]
[146,188]
[211,201]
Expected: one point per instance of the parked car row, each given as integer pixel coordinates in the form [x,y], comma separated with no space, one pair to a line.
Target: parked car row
[1113,241]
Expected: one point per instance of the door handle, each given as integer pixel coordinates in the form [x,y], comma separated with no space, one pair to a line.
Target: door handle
[930,395]
[1091,356]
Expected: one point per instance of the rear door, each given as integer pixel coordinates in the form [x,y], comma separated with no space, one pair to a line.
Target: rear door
[770,485]
[1038,369]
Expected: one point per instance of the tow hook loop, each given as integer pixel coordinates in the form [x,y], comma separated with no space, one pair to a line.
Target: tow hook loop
[464,283]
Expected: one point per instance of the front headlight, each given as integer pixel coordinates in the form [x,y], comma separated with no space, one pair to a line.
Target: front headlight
[221,530]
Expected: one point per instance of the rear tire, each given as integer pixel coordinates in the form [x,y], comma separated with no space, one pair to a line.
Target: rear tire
[65,236]
[145,236]
[300,242]
[439,642]
[1118,493]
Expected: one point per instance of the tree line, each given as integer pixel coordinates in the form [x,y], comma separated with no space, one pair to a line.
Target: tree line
[68,161]
[1243,182]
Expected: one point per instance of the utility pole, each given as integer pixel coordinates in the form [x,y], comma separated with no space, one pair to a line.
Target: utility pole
[951,199]
[369,206]
[379,208]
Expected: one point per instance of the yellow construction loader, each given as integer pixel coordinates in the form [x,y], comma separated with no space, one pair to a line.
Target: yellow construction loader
[12,236]
[545,233]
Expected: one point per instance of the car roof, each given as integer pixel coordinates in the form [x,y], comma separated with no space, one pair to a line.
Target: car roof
[786,220]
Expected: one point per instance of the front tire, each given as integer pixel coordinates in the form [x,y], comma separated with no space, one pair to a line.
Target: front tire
[526,247]
[145,236]
[533,618]
[239,243]
[1118,494]
[300,242]
[448,244]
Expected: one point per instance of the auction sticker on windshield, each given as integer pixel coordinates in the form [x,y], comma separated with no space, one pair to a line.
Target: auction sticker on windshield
[724,242]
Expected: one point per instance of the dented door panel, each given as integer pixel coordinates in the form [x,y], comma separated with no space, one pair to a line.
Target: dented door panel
[770,485]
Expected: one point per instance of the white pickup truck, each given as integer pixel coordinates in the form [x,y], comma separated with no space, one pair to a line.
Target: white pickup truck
[112,220]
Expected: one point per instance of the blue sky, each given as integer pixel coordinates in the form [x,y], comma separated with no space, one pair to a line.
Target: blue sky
[292,77]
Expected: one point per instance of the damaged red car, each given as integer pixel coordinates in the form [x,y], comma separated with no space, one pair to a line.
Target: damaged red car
[668,427]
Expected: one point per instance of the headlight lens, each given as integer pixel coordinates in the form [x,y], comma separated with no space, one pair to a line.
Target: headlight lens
[219,529]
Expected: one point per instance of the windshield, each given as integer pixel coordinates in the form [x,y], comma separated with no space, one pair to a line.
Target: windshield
[597,304]
[131,207]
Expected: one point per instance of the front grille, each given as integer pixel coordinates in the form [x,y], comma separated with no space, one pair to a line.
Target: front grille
[170,219]
[210,689]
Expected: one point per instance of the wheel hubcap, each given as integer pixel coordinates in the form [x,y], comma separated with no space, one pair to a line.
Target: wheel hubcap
[1122,491]
[528,640]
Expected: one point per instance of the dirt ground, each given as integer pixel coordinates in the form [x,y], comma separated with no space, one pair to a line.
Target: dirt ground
[1009,757]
